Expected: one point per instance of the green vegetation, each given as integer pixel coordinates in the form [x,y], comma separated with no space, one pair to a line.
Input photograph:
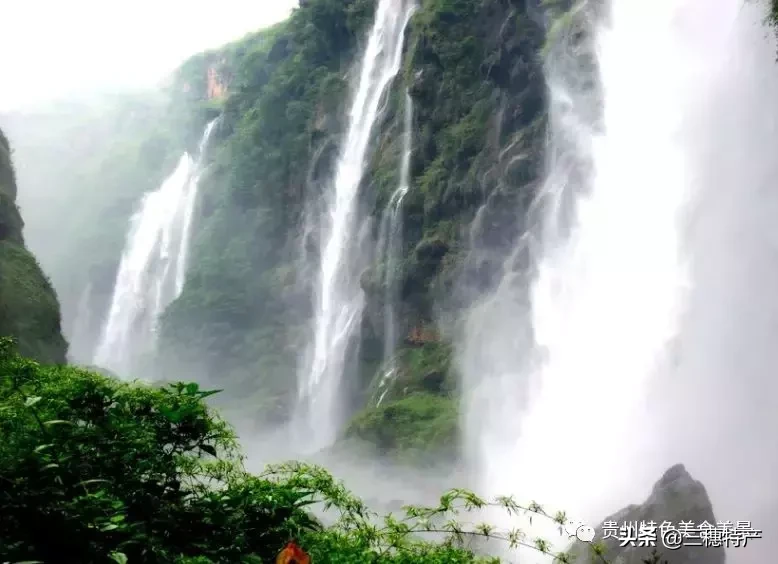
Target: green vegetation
[471,68]
[473,71]
[242,314]
[95,470]
[418,428]
[28,305]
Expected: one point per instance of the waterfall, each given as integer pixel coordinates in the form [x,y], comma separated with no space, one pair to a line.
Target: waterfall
[153,265]
[563,416]
[720,410]
[339,297]
[390,250]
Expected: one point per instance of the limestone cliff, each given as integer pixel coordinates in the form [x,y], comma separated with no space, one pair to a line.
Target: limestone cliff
[29,310]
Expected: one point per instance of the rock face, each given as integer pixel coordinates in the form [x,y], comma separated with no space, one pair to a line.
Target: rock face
[676,497]
[217,89]
[29,310]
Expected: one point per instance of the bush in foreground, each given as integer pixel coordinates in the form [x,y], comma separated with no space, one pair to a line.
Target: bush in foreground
[96,470]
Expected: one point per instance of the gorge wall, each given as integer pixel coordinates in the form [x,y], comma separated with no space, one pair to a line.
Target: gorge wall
[29,310]
[473,70]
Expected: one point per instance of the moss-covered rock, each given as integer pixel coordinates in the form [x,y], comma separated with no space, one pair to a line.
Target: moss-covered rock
[423,364]
[417,428]
[473,69]
[29,310]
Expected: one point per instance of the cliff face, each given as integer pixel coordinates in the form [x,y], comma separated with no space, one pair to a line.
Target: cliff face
[473,69]
[29,310]
[217,89]
[241,319]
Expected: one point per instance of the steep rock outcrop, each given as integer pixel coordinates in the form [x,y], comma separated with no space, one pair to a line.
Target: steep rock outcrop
[29,310]
[676,497]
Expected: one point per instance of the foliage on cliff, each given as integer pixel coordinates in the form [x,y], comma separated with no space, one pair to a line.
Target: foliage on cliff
[473,71]
[96,470]
[29,309]
[472,68]
[240,317]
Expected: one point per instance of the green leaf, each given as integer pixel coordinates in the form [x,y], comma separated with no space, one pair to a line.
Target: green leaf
[94,481]
[32,401]
[207,393]
[119,557]
[41,448]
[174,416]
[109,527]
[57,422]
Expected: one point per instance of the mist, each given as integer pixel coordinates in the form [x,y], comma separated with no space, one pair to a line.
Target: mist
[716,403]
[108,48]
[611,304]
[651,319]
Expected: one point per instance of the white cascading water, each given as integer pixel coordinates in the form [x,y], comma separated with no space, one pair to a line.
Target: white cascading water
[339,297]
[572,430]
[718,407]
[390,249]
[153,266]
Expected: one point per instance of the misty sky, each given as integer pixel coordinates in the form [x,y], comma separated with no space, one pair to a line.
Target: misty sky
[55,48]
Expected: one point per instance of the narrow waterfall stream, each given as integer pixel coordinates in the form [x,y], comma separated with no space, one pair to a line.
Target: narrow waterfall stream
[153,266]
[339,298]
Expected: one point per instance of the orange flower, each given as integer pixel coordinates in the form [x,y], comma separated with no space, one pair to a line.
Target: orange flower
[293,554]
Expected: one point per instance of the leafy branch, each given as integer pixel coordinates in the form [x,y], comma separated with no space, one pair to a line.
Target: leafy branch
[386,535]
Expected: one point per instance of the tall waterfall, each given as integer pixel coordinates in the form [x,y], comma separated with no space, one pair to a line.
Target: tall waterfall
[339,298]
[718,408]
[153,266]
[576,419]
[390,250]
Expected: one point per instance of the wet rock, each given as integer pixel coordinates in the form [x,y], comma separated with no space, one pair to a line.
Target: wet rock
[676,498]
